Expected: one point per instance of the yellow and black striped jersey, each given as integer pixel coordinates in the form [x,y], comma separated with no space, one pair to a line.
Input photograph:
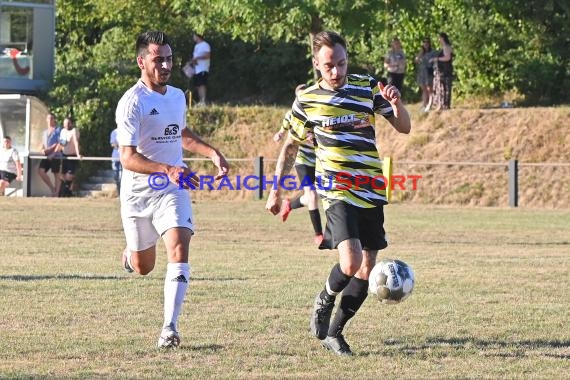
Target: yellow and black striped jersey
[306,153]
[342,124]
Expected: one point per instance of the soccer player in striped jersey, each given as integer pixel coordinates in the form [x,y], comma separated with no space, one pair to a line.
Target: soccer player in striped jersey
[338,113]
[305,167]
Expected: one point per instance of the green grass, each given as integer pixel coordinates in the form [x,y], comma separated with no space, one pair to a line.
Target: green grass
[491,298]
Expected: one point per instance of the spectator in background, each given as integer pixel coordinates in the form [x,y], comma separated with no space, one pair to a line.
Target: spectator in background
[50,141]
[69,147]
[424,74]
[10,165]
[443,77]
[116,160]
[201,62]
[395,64]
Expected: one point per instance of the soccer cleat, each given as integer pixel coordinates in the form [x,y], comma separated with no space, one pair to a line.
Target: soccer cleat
[169,338]
[285,209]
[319,239]
[337,344]
[321,317]
[125,262]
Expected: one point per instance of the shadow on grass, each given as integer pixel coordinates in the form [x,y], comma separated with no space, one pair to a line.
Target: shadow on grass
[558,349]
[20,277]
[525,243]
[201,347]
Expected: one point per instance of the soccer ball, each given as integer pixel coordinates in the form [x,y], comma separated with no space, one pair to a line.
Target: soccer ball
[391,281]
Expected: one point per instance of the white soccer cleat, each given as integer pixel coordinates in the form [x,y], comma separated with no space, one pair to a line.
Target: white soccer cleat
[169,338]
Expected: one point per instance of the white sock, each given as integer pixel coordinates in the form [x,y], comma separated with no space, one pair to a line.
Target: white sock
[127,252]
[175,286]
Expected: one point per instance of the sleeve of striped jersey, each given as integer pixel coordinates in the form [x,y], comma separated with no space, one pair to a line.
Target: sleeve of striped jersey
[286,123]
[299,125]
[381,105]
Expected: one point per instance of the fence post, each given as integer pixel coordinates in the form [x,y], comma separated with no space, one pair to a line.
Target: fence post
[513,183]
[258,168]
[26,181]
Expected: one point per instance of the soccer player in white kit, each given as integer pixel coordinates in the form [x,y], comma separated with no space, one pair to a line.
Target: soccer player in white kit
[151,131]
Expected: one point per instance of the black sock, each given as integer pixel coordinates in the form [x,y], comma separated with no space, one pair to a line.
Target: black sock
[316,220]
[296,202]
[336,282]
[353,297]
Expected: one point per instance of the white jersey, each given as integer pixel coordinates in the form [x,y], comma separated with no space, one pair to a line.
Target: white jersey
[153,123]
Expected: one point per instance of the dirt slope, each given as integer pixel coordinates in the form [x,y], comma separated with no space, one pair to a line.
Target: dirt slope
[539,138]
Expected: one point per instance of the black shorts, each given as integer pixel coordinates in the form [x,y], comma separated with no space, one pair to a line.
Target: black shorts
[69,166]
[7,176]
[345,221]
[52,164]
[200,79]
[305,173]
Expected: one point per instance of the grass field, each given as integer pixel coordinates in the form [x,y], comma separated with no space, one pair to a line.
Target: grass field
[492,297]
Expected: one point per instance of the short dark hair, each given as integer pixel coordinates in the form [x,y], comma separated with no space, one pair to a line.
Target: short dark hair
[327,38]
[150,37]
[8,138]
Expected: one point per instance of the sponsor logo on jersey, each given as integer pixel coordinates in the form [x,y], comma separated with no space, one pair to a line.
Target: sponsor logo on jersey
[344,121]
[171,130]
[153,112]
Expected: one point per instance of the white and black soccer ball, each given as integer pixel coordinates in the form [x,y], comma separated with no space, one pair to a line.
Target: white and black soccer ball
[391,281]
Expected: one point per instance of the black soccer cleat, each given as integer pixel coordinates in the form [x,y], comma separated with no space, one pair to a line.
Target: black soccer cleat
[321,317]
[337,344]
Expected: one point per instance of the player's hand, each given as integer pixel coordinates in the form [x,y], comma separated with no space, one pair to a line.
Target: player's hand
[220,162]
[278,136]
[176,172]
[273,204]
[391,94]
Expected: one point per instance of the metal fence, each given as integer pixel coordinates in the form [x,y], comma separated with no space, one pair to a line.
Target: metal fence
[258,168]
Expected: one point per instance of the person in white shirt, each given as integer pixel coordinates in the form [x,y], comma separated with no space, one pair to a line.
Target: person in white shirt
[115,159]
[201,62]
[151,131]
[10,165]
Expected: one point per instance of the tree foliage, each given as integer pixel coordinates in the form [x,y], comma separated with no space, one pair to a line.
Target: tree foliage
[261,48]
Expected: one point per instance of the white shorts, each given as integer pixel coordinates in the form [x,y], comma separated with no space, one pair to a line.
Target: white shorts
[145,219]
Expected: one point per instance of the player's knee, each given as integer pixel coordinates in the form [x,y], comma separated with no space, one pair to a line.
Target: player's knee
[144,269]
[350,268]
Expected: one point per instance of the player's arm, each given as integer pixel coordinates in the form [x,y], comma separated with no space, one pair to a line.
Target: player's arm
[285,126]
[193,143]
[401,119]
[136,162]
[285,163]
